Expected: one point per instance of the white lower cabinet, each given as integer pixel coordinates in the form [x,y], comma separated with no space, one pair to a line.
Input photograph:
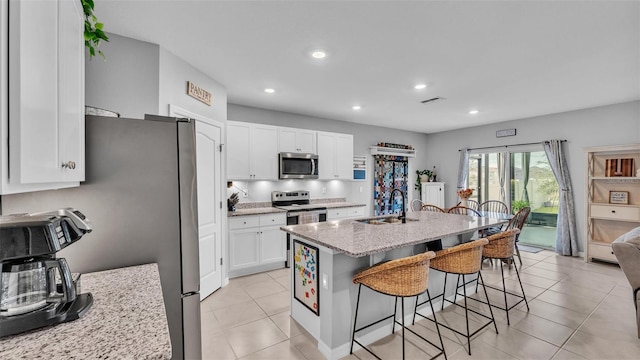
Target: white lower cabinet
[346,213]
[256,244]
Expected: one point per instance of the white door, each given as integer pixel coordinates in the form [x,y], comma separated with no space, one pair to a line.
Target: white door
[209,167]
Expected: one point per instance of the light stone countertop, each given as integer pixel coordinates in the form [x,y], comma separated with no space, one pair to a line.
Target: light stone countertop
[126,321]
[265,209]
[358,239]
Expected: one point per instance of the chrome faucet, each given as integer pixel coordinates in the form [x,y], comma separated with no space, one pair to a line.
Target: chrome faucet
[403,216]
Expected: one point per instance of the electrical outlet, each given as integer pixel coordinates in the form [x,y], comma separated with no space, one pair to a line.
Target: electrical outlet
[245,193]
[324,190]
[361,189]
[325,281]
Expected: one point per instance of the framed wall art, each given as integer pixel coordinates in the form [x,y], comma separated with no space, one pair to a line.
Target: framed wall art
[305,276]
[619,197]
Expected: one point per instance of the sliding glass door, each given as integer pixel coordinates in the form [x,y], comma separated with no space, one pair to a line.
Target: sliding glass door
[519,179]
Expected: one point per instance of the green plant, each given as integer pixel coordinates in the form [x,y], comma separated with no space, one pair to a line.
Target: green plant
[428,173]
[93,32]
[518,205]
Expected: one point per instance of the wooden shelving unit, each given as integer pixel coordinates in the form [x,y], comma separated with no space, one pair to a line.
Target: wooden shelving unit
[605,221]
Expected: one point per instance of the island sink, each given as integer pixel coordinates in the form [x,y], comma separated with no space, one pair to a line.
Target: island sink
[383,221]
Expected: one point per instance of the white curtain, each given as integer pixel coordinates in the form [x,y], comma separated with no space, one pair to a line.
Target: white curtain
[566,232]
[463,168]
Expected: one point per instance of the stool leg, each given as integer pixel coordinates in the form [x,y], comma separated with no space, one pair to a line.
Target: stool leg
[466,311]
[504,292]
[415,310]
[455,294]
[444,291]
[395,309]
[355,319]
[401,320]
[487,296]
[436,321]
[521,288]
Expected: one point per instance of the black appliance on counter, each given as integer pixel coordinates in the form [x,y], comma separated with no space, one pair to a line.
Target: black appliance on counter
[299,210]
[36,288]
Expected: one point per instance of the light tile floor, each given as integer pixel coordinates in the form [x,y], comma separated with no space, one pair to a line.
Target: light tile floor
[578,310]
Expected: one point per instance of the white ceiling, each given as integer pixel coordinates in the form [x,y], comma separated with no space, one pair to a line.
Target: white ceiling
[509,60]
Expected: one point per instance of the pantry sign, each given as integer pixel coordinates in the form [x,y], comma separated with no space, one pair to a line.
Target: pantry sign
[199,93]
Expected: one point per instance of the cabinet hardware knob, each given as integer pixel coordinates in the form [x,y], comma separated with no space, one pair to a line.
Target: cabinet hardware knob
[69,165]
[613,211]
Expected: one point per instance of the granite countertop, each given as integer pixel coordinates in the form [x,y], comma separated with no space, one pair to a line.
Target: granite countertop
[358,239]
[127,321]
[261,208]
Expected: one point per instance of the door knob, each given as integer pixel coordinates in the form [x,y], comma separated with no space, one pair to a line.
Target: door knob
[69,165]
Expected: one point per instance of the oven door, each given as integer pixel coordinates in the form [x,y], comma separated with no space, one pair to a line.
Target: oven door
[298,166]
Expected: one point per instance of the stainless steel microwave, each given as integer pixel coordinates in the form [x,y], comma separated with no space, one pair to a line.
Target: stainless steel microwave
[298,166]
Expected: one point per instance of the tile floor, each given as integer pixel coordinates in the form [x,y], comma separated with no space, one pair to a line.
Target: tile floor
[578,310]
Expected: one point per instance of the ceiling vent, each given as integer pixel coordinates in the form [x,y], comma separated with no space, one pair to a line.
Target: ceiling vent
[437,98]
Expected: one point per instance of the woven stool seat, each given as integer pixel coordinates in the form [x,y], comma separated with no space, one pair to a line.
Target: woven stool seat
[402,277]
[501,245]
[406,277]
[461,259]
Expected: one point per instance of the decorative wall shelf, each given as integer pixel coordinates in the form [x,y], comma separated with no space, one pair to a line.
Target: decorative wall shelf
[616,179]
[379,150]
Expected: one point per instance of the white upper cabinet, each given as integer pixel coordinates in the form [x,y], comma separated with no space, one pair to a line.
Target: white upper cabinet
[335,156]
[296,140]
[45,96]
[252,151]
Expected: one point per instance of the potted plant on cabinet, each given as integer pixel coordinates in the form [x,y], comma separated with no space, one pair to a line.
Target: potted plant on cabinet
[422,176]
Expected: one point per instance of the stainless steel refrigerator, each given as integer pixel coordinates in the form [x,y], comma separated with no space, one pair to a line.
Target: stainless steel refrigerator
[140,194]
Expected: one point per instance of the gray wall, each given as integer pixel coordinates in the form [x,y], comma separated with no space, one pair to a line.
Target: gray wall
[127,82]
[606,125]
[364,136]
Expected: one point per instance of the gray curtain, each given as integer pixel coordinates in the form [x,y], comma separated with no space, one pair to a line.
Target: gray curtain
[502,172]
[526,162]
[566,233]
[463,168]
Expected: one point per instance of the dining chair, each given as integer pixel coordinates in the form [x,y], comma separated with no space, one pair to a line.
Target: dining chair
[494,206]
[416,205]
[472,204]
[463,210]
[432,208]
[516,222]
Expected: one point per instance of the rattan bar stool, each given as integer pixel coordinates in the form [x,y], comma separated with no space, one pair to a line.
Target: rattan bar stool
[501,247]
[464,259]
[406,277]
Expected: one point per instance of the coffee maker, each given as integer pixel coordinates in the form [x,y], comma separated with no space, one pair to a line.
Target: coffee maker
[36,288]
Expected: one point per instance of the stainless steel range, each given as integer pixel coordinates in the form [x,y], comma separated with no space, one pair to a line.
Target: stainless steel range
[298,206]
[299,211]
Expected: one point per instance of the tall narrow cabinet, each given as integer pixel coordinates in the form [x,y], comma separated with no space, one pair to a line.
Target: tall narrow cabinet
[612,197]
[433,193]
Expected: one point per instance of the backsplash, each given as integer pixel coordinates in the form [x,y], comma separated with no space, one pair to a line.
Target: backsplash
[351,191]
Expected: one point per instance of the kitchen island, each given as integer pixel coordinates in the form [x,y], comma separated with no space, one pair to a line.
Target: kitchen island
[126,321]
[325,256]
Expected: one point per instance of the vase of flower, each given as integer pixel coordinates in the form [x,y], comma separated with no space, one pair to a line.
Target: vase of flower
[464,194]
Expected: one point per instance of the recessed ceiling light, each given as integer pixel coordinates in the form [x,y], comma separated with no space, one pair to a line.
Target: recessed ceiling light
[269,90]
[356,107]
[319,54]
[473,112]
[420,86]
